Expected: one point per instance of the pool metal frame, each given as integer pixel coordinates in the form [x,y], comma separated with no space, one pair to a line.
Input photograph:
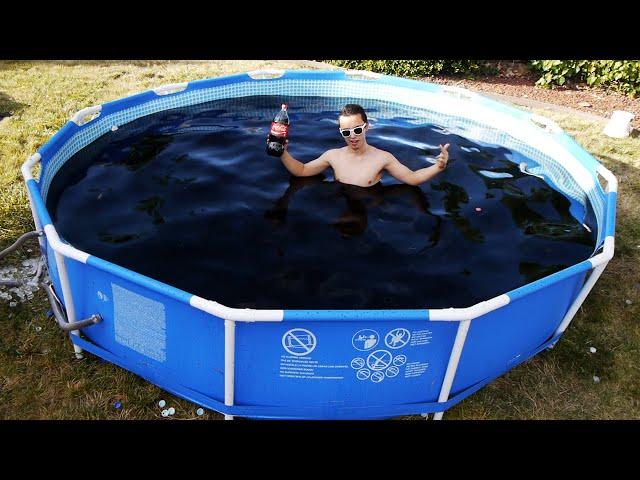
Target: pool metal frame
[64,252]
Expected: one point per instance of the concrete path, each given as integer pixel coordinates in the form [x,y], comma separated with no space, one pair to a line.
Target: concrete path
[527,102]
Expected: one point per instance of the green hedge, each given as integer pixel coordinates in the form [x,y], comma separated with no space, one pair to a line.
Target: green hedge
[414,68]
[621,75]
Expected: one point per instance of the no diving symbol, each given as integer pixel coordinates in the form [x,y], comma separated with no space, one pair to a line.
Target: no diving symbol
[299,342]
[379,360]
[380,363]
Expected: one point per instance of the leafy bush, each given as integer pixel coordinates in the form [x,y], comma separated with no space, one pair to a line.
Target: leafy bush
[621,75]
[415,68]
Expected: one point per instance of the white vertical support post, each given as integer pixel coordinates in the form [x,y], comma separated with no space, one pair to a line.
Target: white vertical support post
[599,263]
[229,363]
[38,225]
[26,173]
[591,281]
[68,298]
[452,367]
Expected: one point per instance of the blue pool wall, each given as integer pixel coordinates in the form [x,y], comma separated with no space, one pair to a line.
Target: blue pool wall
[151,329]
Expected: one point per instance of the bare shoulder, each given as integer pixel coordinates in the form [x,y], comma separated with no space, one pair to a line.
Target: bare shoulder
[332,154]
[384,156]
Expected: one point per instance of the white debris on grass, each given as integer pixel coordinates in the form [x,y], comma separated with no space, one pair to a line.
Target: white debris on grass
[628,302]
[30,271]
[596,379]
[592,349]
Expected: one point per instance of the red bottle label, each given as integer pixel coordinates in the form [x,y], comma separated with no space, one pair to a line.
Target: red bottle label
[279,129]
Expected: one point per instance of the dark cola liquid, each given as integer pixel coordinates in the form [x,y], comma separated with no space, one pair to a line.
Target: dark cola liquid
[275,147]
[185,197]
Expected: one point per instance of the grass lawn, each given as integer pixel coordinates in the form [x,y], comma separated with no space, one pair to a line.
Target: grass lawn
[41,379]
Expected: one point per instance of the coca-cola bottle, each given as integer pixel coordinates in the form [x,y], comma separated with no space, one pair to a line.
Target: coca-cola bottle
[278,133]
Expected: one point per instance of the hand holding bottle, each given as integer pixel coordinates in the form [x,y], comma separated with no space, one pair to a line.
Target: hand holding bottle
[278,133]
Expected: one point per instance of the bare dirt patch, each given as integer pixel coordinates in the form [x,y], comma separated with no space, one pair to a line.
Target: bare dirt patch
[517,82]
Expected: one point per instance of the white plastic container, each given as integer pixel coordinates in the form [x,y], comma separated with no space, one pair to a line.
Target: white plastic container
[620,124]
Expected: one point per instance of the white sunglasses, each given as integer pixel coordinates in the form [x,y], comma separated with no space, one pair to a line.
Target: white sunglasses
[346,132]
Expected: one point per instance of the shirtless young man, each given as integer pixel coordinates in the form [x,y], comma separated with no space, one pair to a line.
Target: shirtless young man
[359,163]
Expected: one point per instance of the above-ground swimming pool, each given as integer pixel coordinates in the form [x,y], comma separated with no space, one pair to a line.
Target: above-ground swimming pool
[391,300]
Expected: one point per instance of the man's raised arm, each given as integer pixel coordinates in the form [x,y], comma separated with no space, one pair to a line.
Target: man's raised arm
[299,169]
[408,176]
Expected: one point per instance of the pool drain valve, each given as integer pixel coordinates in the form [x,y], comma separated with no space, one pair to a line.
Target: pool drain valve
[61,318]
